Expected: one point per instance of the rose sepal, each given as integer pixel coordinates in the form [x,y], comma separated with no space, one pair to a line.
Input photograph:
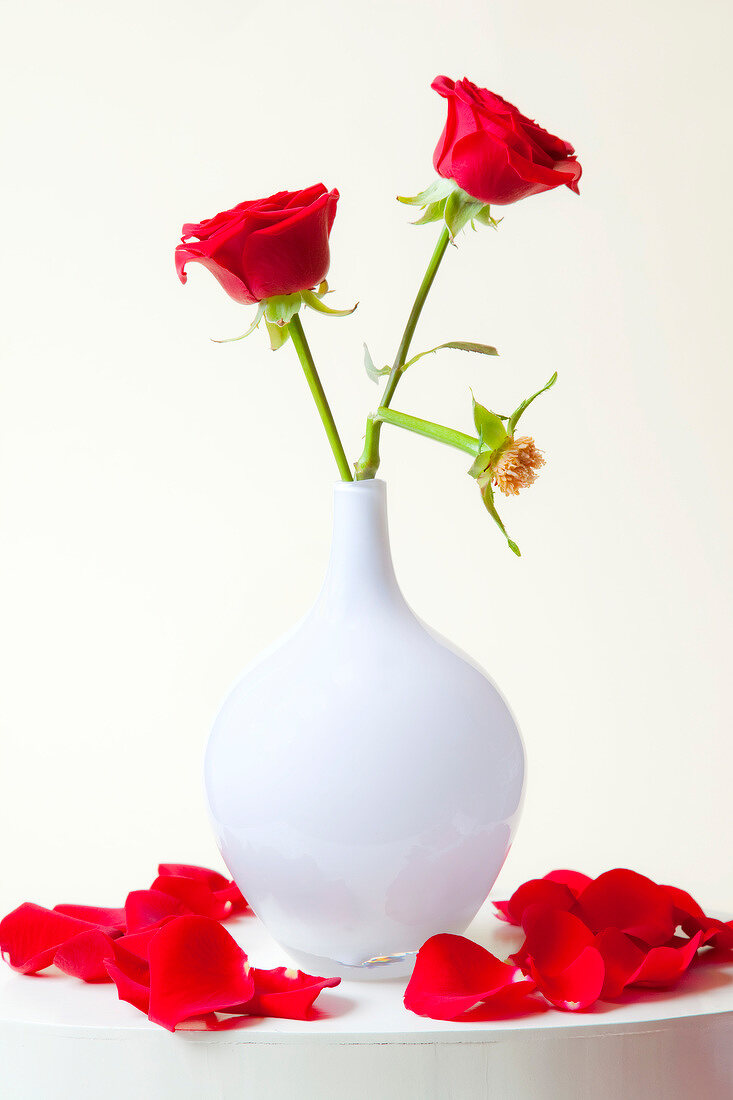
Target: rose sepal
[258,317]
[437,191]
[460,209]
[514,418]
[490,427]
[313,301]
[282,308]
[279,334]
[487,495]
[445,201]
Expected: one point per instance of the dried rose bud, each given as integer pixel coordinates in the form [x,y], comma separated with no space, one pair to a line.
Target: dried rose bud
[518,465]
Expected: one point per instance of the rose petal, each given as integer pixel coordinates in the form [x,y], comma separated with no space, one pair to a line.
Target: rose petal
[453,975]
[83,956]
[144,908]
[195,967]
[502,911]
[691,917]
[630,902]
[31,934]
[578,986]
[212,879]
[554,938]
[138,943]
[107,920]
[131,975]
[664,966]
[234,896]
[561,957]
[718,933]
[575,881]
[287,994]
[538,891]
[622,959]
[195,895]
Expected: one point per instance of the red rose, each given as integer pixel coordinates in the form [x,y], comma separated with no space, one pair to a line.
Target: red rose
[266,247]
[494,152]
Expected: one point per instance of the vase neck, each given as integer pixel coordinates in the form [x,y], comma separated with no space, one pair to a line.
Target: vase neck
[361,563]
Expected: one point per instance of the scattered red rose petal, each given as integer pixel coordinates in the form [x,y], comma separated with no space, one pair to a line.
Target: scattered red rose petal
[195,967]
[685,906]
[287,994]
[630,902]
[538,891]
[146,907]
[453,975]
[502,911]
[575,881]
[578,987]
[111,921]
[222,897]
[584,938]
[31,935]
[563,958]
[213,879]
[690,916]
[664,966]
[622,959]
[195,894]
[131,975]
[718,933]
[233,894]
[84,956]
[138,943]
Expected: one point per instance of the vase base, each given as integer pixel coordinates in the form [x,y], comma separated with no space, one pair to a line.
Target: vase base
[381,968]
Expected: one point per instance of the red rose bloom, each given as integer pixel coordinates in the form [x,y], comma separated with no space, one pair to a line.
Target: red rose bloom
[493,152]
[267,247]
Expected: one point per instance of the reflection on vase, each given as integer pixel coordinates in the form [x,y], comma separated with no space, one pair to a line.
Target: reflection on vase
[435,875]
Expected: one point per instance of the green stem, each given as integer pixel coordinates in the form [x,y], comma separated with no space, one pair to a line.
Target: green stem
[368,464]
[428,428]
[314,383]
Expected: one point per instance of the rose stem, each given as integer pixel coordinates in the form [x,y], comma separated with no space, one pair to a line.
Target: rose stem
[368,464]
[439,432]
[314,383]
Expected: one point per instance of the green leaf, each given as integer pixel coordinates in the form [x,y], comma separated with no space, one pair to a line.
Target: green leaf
[439,189]
[322,288]
[279,334]
[487,495]
[460,208]
[375,373]
[280,308]
[457,345]
[252,327]
[315,303]
[525,404]
[489,426]
[434,212]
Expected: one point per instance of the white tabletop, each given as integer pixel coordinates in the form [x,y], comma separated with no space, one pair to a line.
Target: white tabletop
[61,1038]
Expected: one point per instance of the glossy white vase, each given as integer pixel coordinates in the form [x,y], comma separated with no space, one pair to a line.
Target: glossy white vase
[364,777]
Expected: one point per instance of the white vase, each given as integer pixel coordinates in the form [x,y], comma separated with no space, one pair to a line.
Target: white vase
[363,776]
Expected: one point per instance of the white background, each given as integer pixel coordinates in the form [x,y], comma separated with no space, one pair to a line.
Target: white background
[165,501]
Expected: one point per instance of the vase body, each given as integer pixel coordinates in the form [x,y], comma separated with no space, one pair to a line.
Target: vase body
[364,777]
